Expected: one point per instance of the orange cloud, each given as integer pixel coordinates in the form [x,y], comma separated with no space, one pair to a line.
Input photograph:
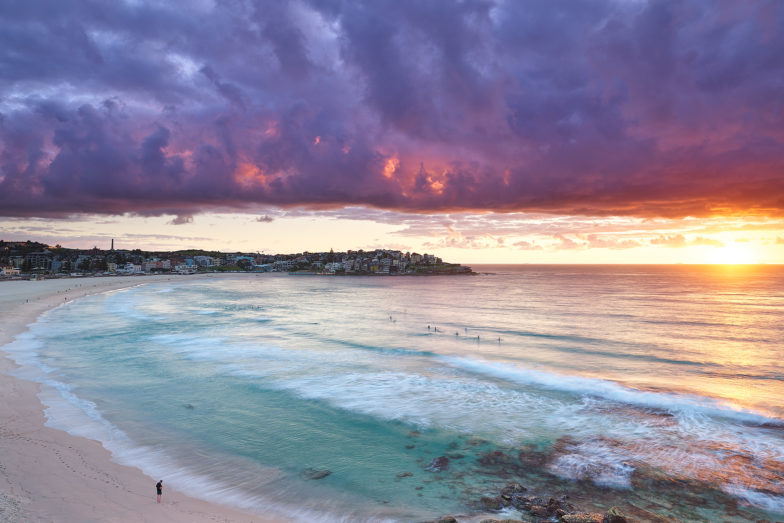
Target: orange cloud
[391,167]
[248,175]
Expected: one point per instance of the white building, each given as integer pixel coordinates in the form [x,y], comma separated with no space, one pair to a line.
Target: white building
[285,265]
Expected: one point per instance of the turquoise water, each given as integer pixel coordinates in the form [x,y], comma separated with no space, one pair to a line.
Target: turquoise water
[615,385]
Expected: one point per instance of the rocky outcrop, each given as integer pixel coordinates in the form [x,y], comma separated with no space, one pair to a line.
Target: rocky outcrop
[445,519]
[513,495]
[583,517]
[614,515]
[492,503]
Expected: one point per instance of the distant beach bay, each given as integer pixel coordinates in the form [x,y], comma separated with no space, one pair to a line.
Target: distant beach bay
[655,389]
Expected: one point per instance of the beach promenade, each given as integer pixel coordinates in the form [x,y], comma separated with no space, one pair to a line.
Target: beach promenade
[49,475]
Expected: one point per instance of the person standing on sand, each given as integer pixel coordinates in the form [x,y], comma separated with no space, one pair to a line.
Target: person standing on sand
[159,489]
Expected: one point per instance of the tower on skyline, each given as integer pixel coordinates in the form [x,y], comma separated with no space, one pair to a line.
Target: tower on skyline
[112,244]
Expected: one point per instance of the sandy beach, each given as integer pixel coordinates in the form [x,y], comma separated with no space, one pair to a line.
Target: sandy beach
[50,475]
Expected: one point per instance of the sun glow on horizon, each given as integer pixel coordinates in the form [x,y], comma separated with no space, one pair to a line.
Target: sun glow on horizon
[459,238]
[735,254]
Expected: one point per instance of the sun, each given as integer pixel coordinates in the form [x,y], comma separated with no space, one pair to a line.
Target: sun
[735,254]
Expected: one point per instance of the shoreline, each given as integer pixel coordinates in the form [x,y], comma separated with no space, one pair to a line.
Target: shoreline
[50,475]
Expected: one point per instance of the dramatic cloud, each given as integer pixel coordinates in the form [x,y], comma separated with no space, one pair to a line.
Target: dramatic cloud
[596,108]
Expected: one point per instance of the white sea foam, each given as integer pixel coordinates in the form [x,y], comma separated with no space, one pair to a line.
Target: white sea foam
[596,461]
[431,401]
[64,409]
[609,390]
[756,498]
[225,351]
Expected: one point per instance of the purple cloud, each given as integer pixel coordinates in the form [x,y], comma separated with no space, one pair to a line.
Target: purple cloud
[181,219]
[645,109]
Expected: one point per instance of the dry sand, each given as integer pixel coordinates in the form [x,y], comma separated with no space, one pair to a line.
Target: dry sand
[50,475]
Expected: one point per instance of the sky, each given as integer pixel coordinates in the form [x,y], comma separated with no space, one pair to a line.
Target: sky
[541,131]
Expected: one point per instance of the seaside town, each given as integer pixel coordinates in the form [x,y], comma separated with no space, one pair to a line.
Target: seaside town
[33,260]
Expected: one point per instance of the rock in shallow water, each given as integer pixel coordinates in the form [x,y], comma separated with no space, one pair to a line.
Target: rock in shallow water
[494,458]
[315,473]
[492,503]
[512,488]
[438,464]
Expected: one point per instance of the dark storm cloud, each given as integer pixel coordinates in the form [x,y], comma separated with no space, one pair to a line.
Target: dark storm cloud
[604,107]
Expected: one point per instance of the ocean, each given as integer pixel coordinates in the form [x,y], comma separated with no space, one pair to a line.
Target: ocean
[658,389]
